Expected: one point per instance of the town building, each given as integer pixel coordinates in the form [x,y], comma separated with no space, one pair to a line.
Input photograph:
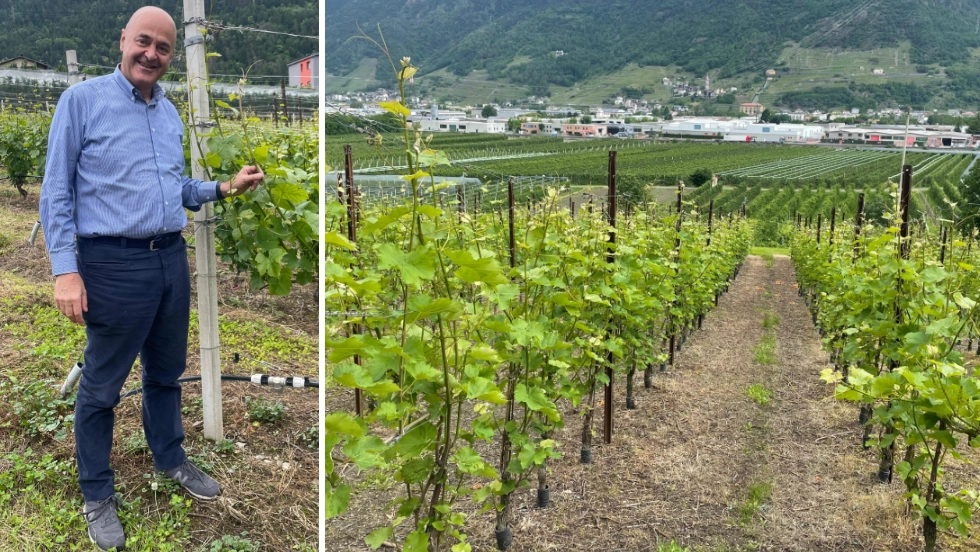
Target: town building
[895,136]
[742,130]
[547,128]
[583,130]
[21,62]
[751,108]
[471,126]
[305,72]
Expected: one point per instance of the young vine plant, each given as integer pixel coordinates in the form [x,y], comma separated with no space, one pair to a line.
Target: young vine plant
[472,332]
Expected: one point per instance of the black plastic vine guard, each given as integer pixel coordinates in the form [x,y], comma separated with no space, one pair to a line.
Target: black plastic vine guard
[630,403]
[586,456]
[504,538]
[544,497]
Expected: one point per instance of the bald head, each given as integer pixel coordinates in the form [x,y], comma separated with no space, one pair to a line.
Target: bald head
[154,15]
[147,45]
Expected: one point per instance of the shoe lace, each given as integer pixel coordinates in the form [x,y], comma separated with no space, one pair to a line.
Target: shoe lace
[99,512]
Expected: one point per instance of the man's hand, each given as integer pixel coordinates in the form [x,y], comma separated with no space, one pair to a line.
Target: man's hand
[247,179]
[69,294]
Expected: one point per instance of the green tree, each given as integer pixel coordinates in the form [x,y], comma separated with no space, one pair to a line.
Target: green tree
[765,116]
[699,177]
[586,119]
[488,111]
[513,124]
[970,206]
[974,127]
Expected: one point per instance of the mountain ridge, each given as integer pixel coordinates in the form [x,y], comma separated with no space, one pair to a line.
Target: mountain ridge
[515,42]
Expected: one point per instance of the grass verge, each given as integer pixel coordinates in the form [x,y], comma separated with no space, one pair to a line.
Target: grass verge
[770,251]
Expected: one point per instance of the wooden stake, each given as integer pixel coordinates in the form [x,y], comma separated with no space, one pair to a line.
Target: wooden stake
[275,110]
[285,110]
[857,225]
[607,420]
[352,236]
[833,224]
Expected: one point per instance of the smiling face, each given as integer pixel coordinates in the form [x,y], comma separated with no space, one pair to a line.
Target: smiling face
[147,46]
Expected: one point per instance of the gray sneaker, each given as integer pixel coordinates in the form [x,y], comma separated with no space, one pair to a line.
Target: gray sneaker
[104,529]
[194,481]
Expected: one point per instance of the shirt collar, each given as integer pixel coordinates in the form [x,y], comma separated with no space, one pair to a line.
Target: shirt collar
[133,93]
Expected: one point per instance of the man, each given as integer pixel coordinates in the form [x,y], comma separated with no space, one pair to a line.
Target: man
[112,207]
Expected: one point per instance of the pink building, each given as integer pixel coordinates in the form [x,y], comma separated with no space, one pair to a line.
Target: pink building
[583,130]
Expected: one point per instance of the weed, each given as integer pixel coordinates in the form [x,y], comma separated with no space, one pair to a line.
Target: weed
[25,473]
[770,261]
[4,242]
[196,405]
[135,443]
[225,446]
[769,320]
[758,494]
[310,437]
[37,409]
[380,480]
[262,411]
[171,529]
[759,394]
[49,337]
[765,351]
[233,543]
[671,547]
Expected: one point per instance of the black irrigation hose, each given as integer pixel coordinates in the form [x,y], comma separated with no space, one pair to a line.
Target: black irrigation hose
[258,379]
[264,381]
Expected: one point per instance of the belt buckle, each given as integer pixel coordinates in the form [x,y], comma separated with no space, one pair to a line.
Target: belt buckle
[153,246]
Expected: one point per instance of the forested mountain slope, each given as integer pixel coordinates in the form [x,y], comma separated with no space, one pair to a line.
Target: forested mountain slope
[44,29]
[517,39]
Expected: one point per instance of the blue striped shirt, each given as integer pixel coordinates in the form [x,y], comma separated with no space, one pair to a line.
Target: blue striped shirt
[115,167]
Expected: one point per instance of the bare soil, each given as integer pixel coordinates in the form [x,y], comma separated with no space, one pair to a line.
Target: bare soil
[688,464]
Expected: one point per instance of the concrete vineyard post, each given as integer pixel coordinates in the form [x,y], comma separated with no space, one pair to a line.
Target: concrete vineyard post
[199,120]
[73,73]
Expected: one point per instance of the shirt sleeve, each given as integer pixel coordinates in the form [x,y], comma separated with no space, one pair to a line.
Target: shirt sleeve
[57,205]
[195,193]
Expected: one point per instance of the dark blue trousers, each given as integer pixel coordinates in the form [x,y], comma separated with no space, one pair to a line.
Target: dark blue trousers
[138,304]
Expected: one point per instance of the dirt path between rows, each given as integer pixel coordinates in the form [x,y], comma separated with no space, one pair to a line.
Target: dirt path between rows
[702,463]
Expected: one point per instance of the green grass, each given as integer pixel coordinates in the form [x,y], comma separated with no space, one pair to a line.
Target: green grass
[758,494]
[760,394]
[769,320]
[770,251]
[39,514]
[765,351]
